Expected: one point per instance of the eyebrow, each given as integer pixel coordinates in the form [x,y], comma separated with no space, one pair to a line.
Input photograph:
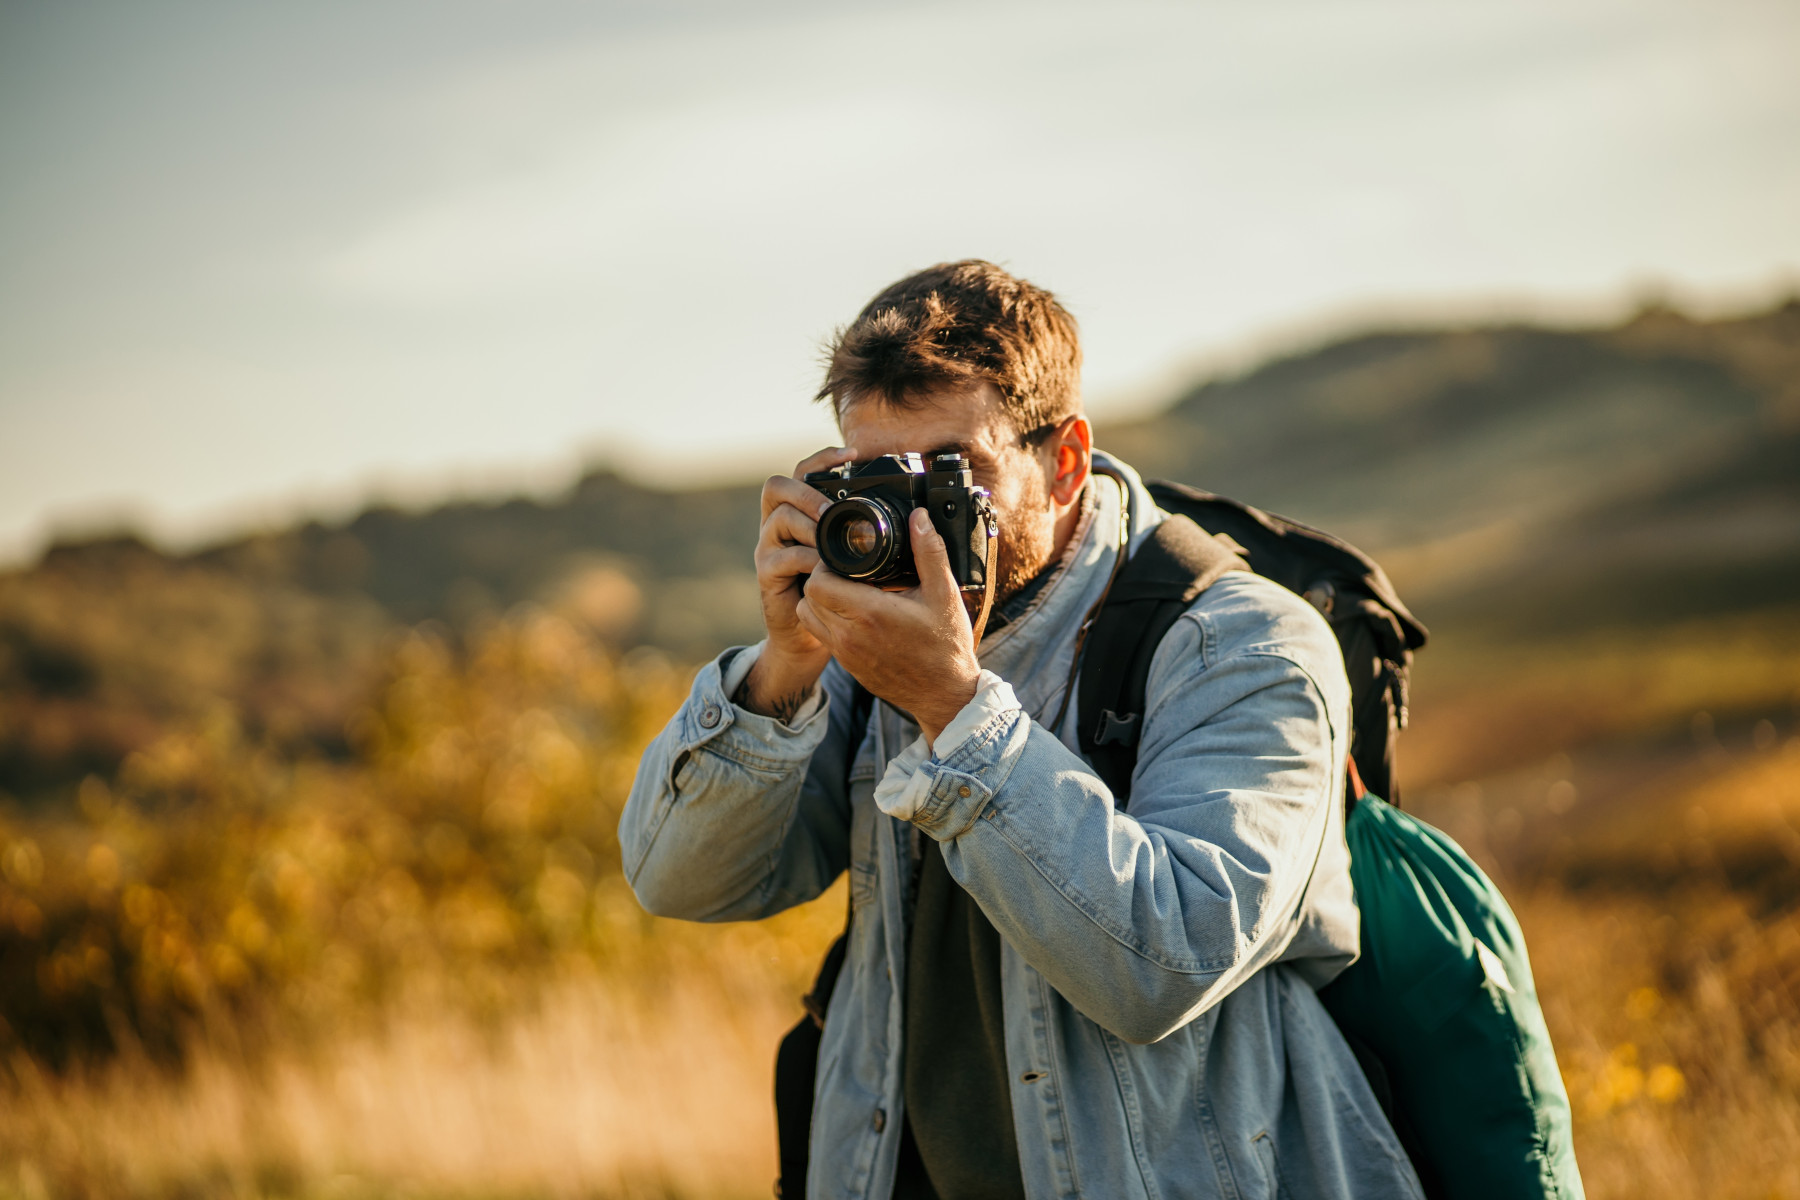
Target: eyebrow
[961,448]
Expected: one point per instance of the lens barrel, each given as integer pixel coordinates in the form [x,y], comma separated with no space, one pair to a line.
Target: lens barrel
[863,538]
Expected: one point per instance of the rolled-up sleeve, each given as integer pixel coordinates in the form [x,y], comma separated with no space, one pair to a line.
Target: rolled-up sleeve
[1145,919]
[734,815]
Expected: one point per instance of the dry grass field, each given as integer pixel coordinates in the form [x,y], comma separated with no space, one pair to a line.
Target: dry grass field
[1638,798]
[229,972]
[418,973]
[587,1088]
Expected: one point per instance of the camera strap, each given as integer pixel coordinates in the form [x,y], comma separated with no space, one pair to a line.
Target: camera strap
[979,626]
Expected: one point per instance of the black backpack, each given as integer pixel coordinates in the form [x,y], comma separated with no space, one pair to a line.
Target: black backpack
[1156,585]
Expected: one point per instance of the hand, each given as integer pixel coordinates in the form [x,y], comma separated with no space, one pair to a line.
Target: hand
[913,648]
[786,554]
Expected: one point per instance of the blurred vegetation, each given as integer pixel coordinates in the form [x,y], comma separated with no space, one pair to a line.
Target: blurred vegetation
[467,836]
[308,875]
[1638,800]
[244,930]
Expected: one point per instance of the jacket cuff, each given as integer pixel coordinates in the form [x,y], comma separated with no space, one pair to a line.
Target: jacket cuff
[993,697]
[735,668]
[947,794]
[709,715]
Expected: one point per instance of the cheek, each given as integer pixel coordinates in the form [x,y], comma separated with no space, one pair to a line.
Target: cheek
[1026,494]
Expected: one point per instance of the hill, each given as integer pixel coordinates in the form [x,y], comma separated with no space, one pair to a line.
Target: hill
[1512,478]
[1404,437]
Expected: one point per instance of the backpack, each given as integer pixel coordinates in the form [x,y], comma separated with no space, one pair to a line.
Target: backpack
[1439,1009]
[1155,586]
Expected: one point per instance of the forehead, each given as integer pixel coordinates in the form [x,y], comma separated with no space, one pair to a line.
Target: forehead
[972,421]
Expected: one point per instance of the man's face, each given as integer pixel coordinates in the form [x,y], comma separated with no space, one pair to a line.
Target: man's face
[973,424]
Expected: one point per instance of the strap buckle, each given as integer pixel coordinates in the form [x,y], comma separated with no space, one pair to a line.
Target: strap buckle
[1118,730]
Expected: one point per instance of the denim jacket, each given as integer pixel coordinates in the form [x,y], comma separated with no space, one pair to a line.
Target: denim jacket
[1163,1038]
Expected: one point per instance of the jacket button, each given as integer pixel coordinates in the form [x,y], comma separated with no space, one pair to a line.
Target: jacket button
[709,717]
[880,1121]
[963,791]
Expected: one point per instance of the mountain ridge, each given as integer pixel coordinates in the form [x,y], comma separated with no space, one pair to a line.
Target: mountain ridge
[1513,479]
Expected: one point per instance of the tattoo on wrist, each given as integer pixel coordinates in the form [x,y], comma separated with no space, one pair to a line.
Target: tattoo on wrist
[784,707]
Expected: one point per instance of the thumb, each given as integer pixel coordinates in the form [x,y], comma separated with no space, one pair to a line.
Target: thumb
[932,561]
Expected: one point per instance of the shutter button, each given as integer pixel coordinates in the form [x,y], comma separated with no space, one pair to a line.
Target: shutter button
[709,717]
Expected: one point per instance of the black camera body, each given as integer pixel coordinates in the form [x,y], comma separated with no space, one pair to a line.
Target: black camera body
[864,535]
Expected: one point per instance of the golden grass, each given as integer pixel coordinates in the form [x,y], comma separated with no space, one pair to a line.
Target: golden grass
[1665,941]
[583,1092]
[1680,1042]
[420,973]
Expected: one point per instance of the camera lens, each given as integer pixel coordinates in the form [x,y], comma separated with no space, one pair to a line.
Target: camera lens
[861,537]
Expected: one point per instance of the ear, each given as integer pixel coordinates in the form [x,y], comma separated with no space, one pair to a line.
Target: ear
[1072,458]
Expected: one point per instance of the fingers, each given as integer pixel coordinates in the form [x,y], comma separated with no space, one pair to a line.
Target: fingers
[780,489]
[842,613]
[809,621]
[830,456]
[785,489]
[787,526]
[786,563]
[837,598]
[932,561]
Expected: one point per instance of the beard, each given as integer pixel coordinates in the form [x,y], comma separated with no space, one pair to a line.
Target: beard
[1027,538]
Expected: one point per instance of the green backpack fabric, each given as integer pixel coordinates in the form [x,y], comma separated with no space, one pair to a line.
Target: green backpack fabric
[1443,995]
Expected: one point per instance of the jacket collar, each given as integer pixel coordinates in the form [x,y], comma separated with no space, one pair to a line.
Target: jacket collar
[1035,651]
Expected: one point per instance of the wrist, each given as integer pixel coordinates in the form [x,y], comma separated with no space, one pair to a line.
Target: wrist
[933,718]
[779,683]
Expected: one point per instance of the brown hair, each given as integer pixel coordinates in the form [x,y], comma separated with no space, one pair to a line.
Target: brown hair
[956,326]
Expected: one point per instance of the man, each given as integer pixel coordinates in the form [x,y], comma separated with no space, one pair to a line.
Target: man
[1043,996]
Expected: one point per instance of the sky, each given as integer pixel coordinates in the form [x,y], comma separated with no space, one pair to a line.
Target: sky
[265,260]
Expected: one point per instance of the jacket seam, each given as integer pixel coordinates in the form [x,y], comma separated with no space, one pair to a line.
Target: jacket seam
[1060,1079]
[749,758]
[1134,1113]
[665,806]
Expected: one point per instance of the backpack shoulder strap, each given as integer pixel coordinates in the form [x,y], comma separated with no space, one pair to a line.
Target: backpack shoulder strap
[1375,632]
[1176,562]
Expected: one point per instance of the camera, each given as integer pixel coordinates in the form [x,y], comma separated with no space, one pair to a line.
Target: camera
[864,535]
